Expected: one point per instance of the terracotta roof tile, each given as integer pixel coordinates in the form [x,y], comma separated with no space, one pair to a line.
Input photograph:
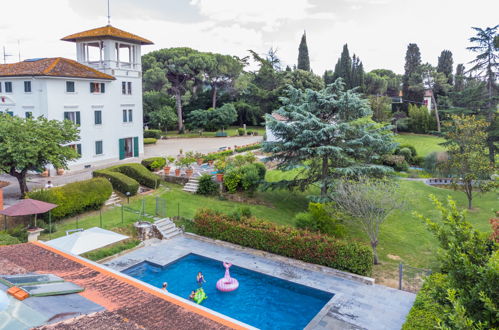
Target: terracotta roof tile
[107,31]
[128,305]
[51,67]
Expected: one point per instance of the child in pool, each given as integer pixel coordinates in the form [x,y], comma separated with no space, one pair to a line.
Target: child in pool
[165,287]
[200,279]
[191,296]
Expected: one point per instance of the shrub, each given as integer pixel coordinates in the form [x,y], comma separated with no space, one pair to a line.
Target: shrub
[318,219]
[418,161]
[435,163]
[75,198]
[262,170]
[420,119]
[218,155]
[112,249]
[232,179]
[240,213]
[249,147]
[6,239]
[207,186]
[397,162]
[414,153]
[137,172]
[19,232]
[120,182]
[154,163]
[150,141]
[49,228]
[426,311]
[240,131]
[152,133]
[403,124]
[406,153]
[286,241]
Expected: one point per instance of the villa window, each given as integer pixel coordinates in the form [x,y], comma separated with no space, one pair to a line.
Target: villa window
[0,86]
[8,87]
[27,86]
[127,116]
[97,88]
[28,114]
[73,116]
[70,86]
[76,147]
[130,115]
[129,89]
[126,87]
[98,148]
[98,117]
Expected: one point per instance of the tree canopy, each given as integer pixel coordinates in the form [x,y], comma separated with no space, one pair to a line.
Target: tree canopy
[303,59]
[31,144]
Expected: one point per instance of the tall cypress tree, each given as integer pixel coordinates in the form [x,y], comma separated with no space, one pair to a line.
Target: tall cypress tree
[412,75]
[303,59]
[459,81]
[343,68]
[445,63]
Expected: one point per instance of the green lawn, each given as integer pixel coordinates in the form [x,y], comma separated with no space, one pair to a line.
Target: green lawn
[231,131]
[403,237]
[424,144]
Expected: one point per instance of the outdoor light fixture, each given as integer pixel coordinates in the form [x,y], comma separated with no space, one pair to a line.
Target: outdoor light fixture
[128,197]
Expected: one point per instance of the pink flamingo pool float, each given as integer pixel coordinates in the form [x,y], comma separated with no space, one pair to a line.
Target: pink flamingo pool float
[227,283]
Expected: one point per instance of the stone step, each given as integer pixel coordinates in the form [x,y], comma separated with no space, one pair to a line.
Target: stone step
[173,234]
[165,226]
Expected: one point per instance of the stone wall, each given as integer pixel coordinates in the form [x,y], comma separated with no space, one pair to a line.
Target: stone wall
[182,180]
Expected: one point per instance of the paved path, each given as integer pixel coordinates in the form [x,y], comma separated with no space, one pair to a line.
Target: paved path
[163,148]
[355,305]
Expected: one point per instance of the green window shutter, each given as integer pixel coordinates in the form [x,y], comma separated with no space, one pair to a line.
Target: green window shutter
[78,122]
[98,117]
[122,148]
[66,115]
[102,88]
[92,87]
[78,148]
[136,146]
[124,116]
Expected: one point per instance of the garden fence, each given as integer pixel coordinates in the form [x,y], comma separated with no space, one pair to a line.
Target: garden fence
[411,278]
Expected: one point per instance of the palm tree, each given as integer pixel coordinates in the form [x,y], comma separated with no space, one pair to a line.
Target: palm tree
[486,66]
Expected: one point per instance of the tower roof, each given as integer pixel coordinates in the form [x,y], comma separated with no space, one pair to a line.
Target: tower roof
[107,31]
[51,67]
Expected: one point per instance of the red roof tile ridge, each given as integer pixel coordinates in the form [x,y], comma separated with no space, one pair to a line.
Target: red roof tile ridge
[106,31]
[52,65]
[142,287]
[83,66]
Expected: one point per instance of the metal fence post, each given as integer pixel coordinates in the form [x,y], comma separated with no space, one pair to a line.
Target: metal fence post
[401,275]
[100,217]
[178,211]
[122,214]
[157,210]
[50,225]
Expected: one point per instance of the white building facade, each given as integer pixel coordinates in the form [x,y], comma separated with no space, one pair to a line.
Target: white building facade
[101,92]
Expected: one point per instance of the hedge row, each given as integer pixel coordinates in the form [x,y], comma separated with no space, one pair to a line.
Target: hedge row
[150,140]
[218,155]
[160,163]
[127,177]
[120,182]
[75,198]
[249,147]
[286,241]
[426,311]
[152,133]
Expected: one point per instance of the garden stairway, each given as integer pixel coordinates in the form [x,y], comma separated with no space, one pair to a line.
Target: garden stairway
[167,228]
[114,200]
[191,186]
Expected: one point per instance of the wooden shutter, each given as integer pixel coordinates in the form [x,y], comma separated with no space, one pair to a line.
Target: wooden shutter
[136,146]
[78,122]
[122,148]
[66,115]
[92,87]
[102,88]
[78,148]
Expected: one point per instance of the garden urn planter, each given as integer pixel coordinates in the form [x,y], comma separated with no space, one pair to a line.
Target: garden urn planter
[167,170]
[60,171]
[220,177]
[45,173]
[199,161]
[188,172]
[177,172]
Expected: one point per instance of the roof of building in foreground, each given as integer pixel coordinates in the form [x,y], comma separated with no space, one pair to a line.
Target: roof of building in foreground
[51,67]
[107,31]
[128,304]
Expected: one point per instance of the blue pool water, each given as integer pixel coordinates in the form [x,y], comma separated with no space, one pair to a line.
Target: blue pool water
[263,301]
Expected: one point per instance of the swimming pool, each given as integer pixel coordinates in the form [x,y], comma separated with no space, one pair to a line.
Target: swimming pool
[263,301]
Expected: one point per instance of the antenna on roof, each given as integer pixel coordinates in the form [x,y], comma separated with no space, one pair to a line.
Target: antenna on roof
[108,14]
[19,49]
[5,55]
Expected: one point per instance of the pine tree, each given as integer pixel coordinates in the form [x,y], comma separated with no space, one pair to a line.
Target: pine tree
[303,59]
[412,75]
[343,68]
[324,138]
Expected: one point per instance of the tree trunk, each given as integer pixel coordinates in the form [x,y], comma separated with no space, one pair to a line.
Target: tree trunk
[214,96]
[374,244]
[437,118]
[21,178]
[492,151]
[178,104]
[468,189]
[324,176]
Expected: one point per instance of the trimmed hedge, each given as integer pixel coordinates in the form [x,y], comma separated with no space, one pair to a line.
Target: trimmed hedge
[160,162]
[6,239]
[286,241]
[218,155]
[426,311]
[75,198]
[152,133]
[249,147]
[150,140]
[119,181]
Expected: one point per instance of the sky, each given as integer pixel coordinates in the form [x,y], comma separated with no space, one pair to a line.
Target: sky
[378,31]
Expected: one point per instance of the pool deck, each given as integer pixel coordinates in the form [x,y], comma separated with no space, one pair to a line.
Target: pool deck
[355,305]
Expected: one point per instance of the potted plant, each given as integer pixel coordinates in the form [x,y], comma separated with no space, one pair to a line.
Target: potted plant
[199,158]
[220,166]
[169,161]
[178,165]
[187,163]
[210,159]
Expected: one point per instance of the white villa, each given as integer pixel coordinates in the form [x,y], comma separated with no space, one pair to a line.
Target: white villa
[101,92]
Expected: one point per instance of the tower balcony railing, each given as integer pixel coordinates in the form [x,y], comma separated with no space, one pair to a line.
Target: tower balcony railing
[111,64]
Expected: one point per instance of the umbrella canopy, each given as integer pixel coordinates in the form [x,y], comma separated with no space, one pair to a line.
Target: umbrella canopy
[87,240]
[28,207]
